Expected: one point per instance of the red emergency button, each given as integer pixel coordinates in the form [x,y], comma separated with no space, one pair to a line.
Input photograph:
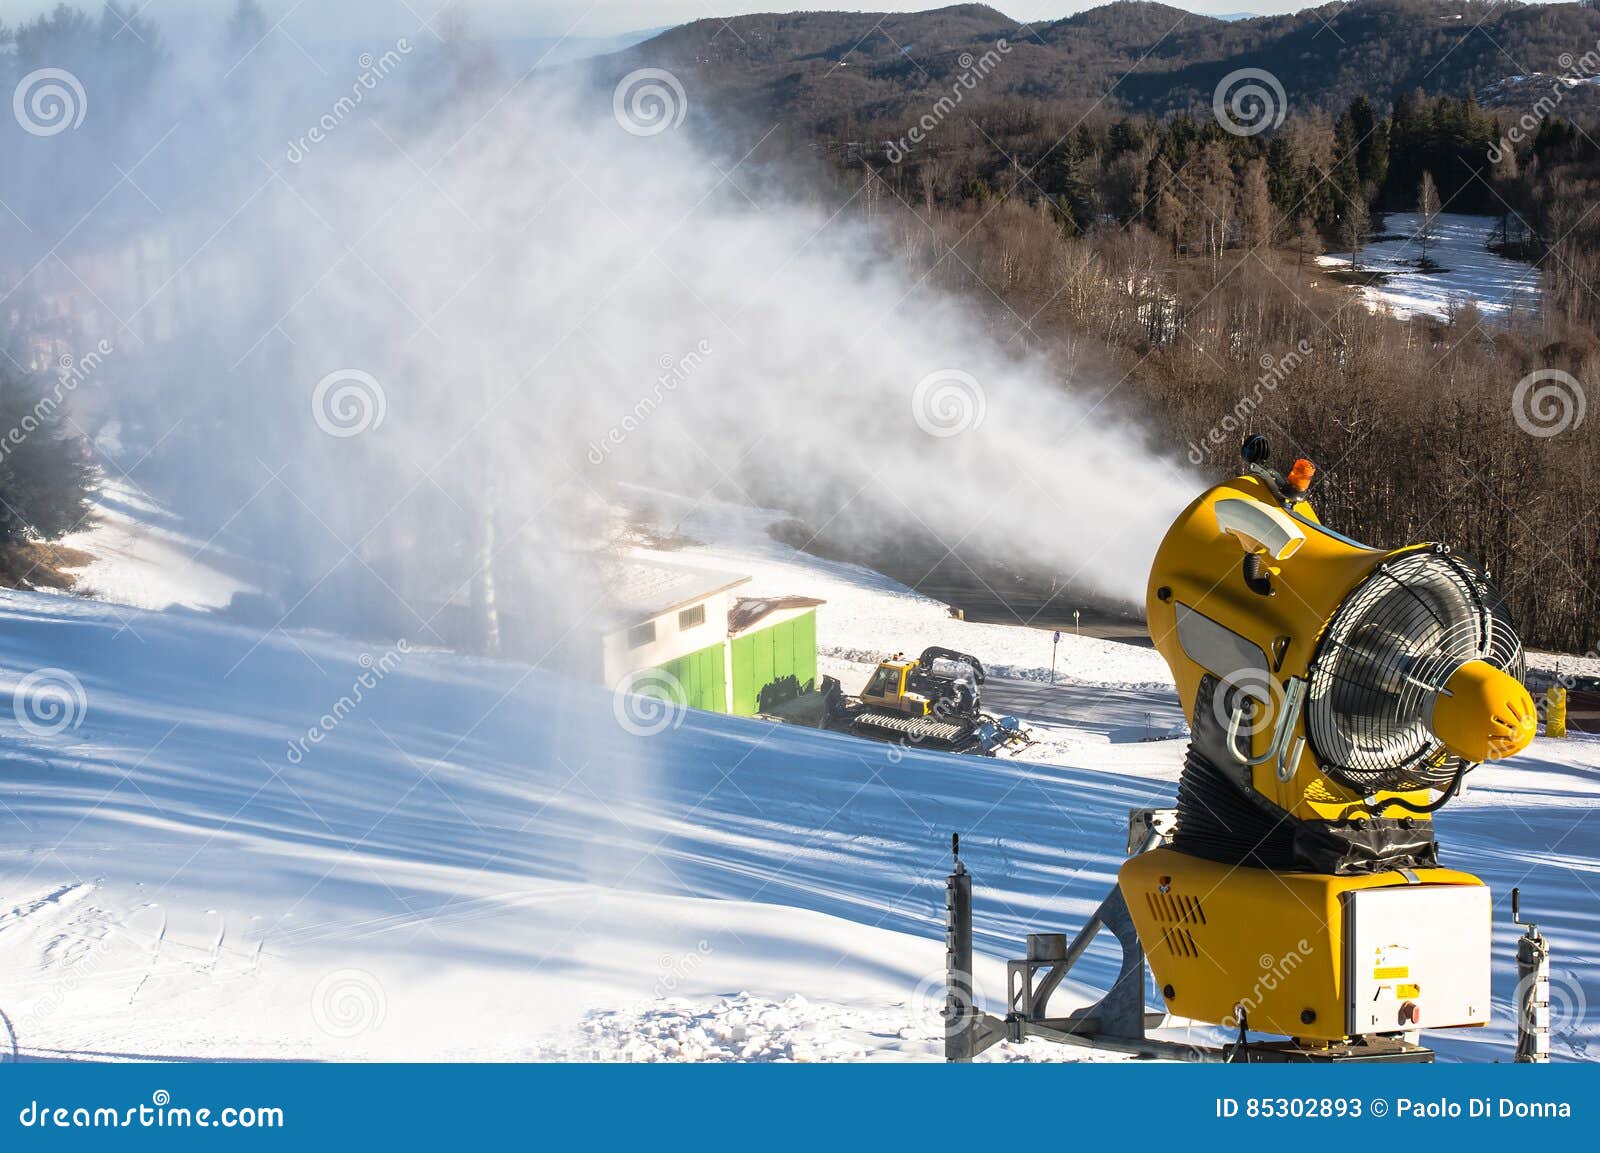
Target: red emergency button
[1410,1014]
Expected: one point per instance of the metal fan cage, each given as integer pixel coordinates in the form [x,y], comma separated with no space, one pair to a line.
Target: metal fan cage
[1385,654]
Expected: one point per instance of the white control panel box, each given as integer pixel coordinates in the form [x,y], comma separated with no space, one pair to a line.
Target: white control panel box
[1417,957]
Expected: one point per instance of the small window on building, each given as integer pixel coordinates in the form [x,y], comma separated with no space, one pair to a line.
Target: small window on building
[641,635]
[688,618]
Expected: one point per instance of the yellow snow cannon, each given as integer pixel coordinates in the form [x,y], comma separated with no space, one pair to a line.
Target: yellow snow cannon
[1337,696]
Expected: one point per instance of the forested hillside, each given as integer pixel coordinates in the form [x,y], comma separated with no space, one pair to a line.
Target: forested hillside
[829,69]
[1076,182]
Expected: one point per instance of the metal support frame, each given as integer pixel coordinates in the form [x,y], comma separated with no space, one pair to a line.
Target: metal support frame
[1117,1022]
[1533,990]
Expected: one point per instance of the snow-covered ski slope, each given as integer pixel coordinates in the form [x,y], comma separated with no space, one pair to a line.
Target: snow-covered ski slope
[481,860]
[1466,271]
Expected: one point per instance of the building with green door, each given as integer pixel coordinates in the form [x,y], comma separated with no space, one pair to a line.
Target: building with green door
[679,632]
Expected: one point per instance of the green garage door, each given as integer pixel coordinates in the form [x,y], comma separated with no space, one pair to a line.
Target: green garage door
[767,656]
[703,677]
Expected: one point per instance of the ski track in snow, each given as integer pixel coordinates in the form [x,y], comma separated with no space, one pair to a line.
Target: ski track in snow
[479,862]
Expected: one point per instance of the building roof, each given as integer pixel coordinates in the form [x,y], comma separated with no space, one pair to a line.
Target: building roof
[747,611]
[639,590]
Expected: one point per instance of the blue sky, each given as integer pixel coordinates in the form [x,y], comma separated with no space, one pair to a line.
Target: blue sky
[338,19]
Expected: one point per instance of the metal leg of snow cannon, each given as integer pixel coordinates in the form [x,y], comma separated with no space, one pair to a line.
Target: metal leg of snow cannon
[1147,829]
[1117,1022]
[968,1030]
[1533,990]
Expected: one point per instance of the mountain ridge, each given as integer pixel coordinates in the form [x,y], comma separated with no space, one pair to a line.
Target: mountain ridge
[1131,56]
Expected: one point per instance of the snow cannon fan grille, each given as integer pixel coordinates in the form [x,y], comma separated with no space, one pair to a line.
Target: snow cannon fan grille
[1383,657]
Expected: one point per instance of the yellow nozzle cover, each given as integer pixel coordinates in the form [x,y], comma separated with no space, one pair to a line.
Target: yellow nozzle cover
[1484,714]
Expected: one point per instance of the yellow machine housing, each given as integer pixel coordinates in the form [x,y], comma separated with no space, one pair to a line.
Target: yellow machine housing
[1218,938]
[1198,570]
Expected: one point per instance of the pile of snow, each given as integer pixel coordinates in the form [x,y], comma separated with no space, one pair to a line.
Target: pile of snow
[745,1028]
[1467,270]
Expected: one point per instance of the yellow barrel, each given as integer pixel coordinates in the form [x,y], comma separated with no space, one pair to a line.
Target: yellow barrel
[1555,711]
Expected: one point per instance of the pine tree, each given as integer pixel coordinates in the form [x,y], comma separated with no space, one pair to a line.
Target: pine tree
[46,476]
